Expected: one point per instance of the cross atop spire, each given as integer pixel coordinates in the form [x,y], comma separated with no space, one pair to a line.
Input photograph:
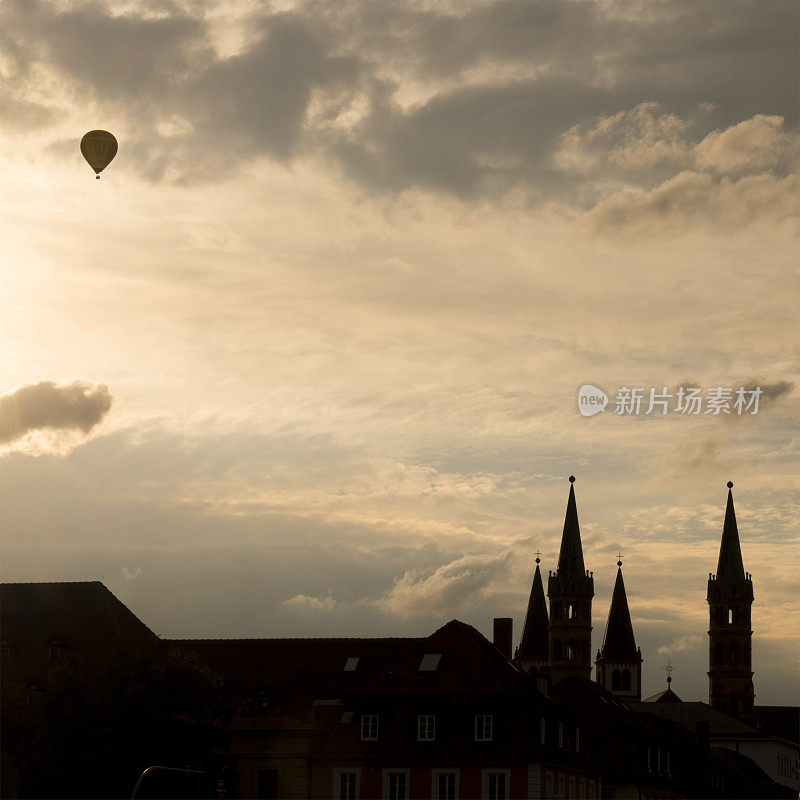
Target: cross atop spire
[730,568]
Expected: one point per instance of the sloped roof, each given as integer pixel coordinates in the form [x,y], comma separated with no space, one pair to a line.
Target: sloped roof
[534,642]
[469,663]
[782,721]
[84,618]
[300,666]
[689,714]
[595,704]
[618,641]
[667,696]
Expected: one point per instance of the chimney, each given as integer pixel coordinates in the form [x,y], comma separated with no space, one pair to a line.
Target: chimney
[503,635]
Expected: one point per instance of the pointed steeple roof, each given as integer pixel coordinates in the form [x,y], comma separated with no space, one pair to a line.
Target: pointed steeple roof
[730,568]
[570,557]
[534,643]
[618,641]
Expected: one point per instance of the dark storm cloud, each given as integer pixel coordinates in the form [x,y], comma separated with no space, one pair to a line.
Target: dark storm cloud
[78,406]
[495,85]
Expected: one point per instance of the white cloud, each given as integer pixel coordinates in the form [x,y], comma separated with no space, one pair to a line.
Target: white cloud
[755,145]
[689,642]
[307,602]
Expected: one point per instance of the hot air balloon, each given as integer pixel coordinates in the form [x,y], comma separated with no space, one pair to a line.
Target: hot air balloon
[98,148]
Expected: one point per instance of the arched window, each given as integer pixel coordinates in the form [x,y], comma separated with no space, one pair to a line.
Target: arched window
[572,647]
[626,680]
[586,650]
[718,653]
[557,650]
[734,655]
[731,616]
[570,611]
[557,610]
[615,681]
[734,704]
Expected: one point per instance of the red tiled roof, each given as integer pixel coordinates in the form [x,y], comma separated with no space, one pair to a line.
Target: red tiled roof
[470,663]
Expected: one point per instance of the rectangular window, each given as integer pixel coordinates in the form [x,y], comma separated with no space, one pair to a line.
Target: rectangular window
[581,788]
[561,786]
[267,784]
[560,734]
[572,786]
[591,790]
[542,730]
[445,784]
[426,727]
[577,740]
[548,784]
[346,784]
[495,784]
[483,727]
[395,784]
[369,727]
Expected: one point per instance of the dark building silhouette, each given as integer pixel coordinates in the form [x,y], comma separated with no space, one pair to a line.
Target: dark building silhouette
[619,661]
[452,715]
[570,590]
[730,597]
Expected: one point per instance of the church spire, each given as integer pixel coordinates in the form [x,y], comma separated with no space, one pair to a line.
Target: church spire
[619,662]
[570,557]
[730,569]
[533,647]
[618,641]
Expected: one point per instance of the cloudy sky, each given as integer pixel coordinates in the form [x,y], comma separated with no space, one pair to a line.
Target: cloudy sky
[306,360]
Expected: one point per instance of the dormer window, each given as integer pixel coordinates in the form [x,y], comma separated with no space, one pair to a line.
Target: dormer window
[351,664]
[430,662]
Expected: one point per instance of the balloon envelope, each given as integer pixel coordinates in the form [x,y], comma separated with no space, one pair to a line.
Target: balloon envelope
[98,148]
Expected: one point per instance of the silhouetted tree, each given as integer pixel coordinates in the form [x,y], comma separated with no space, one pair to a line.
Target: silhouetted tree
[92,736]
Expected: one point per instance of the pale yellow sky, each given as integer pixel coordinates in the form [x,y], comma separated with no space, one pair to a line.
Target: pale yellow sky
[343,282]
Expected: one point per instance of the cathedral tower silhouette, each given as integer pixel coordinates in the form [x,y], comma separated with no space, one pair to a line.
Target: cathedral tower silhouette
[619,661]
[570,590]
[730,597]
[533,653]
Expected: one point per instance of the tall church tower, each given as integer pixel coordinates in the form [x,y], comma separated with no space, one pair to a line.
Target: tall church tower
[533,652]
[619,661]
[730,597]
[570,591]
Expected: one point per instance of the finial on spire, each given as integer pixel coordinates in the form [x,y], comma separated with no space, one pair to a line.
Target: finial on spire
[538,553]
[619,562]
[668,670]
[572,479]
[730,484]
